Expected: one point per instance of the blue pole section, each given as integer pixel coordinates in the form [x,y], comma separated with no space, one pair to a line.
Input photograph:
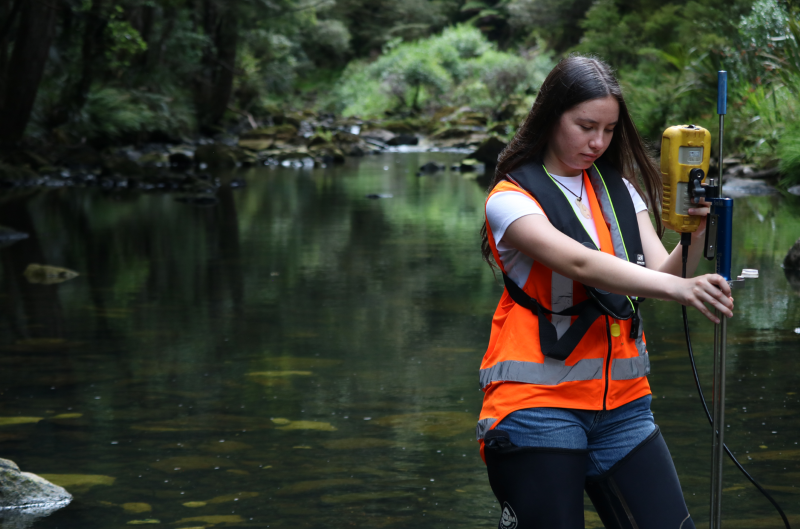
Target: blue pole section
[722,92]
[723,208]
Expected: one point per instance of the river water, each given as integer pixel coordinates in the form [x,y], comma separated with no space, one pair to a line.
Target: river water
[300,355]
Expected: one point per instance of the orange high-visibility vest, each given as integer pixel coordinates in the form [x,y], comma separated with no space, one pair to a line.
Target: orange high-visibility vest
[608,366]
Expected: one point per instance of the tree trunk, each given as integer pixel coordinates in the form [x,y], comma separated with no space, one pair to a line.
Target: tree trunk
[216,86]
[226,40]
[75,93]
[26,66]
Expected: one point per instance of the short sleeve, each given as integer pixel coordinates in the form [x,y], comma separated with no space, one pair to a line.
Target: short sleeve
[504,208]
[638,203]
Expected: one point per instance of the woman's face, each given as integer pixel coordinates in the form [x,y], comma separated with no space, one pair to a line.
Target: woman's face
[581,136]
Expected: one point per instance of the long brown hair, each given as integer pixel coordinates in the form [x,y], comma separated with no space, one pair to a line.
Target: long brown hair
[574,80]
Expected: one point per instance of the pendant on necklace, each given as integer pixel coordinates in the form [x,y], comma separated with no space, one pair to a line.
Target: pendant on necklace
[584,210]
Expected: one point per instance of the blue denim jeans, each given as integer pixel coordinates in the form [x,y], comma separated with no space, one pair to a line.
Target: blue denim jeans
[608,435]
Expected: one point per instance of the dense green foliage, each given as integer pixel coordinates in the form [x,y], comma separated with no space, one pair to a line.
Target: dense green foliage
[143,70]
[458,67]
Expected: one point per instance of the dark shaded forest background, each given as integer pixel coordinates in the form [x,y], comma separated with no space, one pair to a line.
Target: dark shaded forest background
[117,72]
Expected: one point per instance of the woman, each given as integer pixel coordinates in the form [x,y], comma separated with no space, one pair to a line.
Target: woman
[567,403]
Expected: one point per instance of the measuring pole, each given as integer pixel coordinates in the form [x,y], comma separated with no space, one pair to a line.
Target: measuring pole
[724,209]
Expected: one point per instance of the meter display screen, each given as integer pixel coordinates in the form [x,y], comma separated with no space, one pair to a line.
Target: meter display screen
[690,155]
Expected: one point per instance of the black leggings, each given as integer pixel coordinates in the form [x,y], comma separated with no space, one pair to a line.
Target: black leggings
[541,488]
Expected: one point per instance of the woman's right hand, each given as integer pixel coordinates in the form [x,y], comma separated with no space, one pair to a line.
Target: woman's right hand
[710,288]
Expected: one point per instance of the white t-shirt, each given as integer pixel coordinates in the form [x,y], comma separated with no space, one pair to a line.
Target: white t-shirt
[507,206]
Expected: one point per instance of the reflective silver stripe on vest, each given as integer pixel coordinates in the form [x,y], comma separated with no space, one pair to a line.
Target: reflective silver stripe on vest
[607,207]
[561,299]
[638,366]
[483,426]
[551,373]
[629,368]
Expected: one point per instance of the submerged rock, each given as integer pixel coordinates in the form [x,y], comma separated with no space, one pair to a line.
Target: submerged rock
[23,491]
[48,275]
[431,167]
[792,259]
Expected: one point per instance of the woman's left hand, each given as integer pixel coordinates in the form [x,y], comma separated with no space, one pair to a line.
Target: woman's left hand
[700,210]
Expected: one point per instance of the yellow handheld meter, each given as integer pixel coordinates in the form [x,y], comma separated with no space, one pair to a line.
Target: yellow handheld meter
[685,153]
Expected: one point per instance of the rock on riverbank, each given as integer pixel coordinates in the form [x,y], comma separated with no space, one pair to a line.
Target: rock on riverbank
[25,497]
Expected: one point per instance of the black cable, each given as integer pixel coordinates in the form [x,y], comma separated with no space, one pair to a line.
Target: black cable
[685,254]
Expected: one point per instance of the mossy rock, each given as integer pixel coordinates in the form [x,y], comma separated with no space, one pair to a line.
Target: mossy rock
[501,128]
[401,126]
[327,153]
[154,159]
[297,154]
[447,133]
[286,132]
[245,157]
[510,109]
[215,155]
[341,137]
[443,113]
[316,140]
[256,144]
[292,119]
[472,119]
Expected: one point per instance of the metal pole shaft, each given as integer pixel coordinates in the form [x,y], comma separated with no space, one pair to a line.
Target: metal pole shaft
[713,514]
[718,429]
[720,333]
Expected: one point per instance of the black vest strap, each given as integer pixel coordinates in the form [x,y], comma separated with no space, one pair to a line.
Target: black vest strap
[551,345]
[532,178]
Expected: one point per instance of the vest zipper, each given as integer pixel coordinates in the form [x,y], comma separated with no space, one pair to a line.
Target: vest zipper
[608,363]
